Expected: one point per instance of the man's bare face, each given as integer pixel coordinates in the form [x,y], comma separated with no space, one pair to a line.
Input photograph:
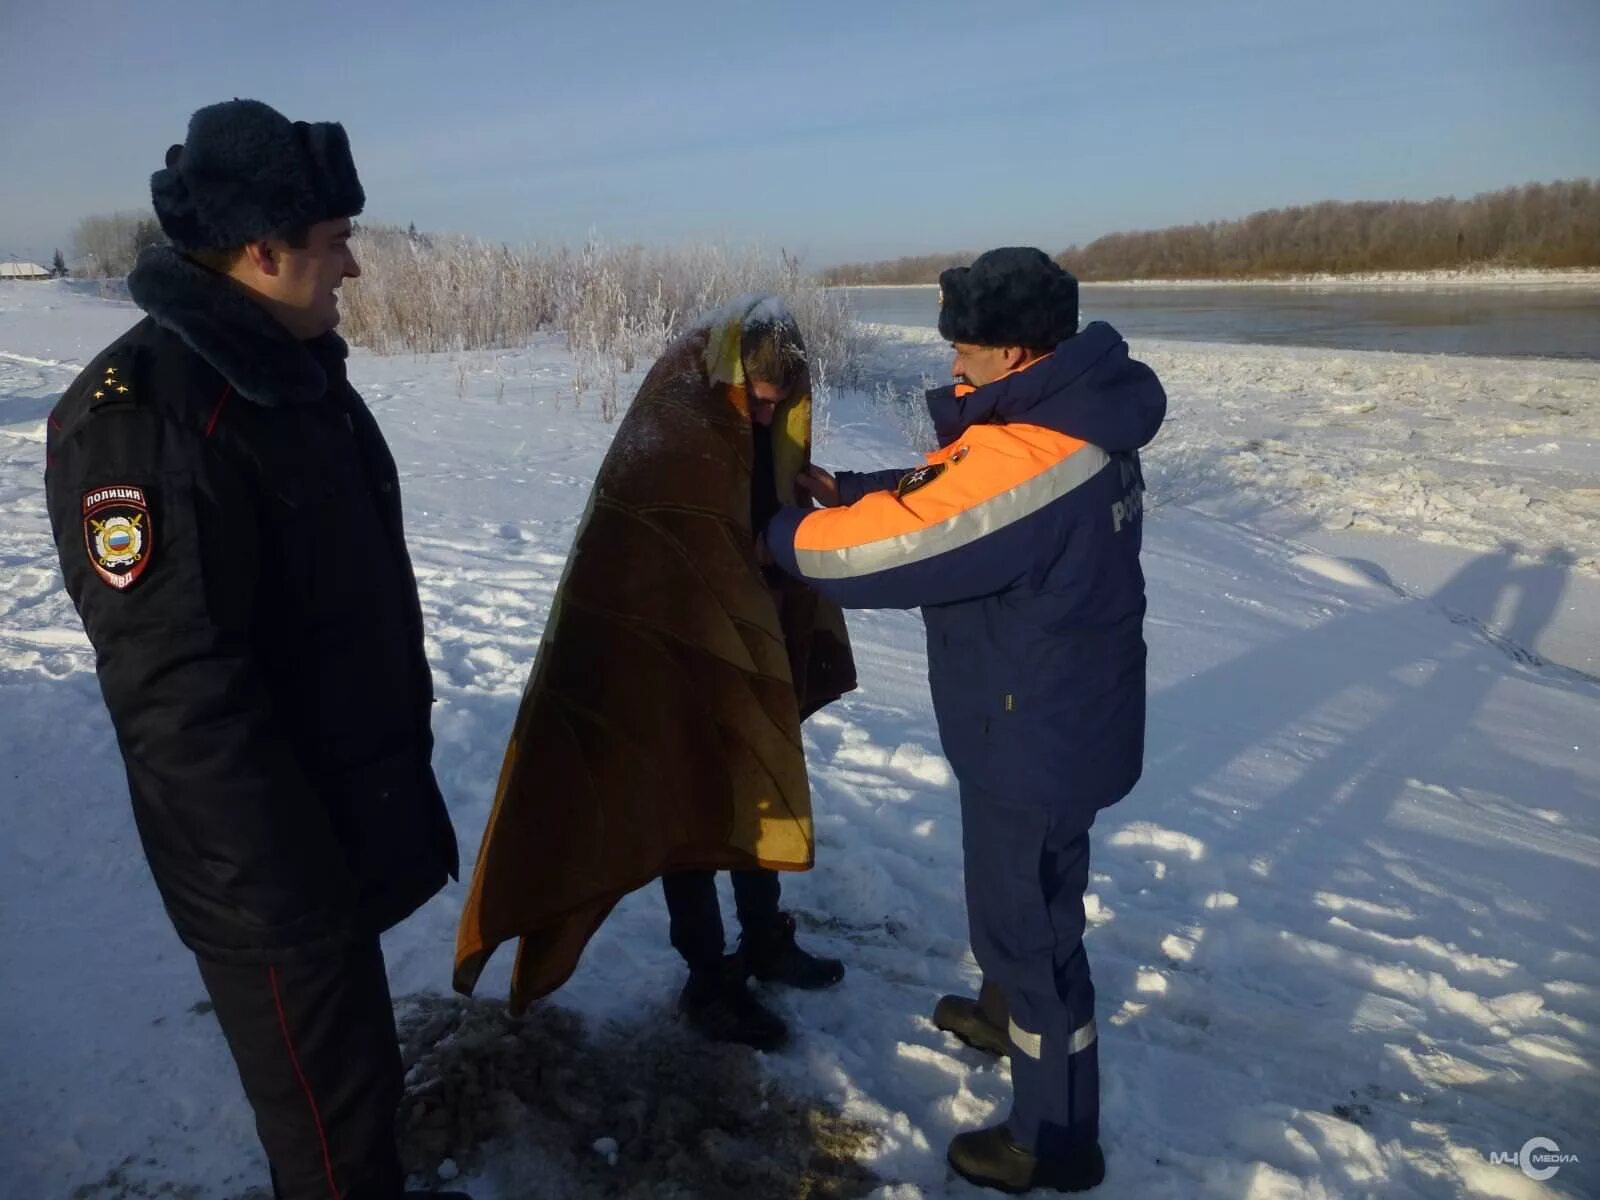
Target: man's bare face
[308,284]
[764,401]
[979,365]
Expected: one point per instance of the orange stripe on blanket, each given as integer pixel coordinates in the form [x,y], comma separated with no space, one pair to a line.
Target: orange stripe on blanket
[987,461]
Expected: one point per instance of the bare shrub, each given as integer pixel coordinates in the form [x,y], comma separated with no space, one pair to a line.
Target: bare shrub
[109,243]
[907,404]
[431,294]
[618,306]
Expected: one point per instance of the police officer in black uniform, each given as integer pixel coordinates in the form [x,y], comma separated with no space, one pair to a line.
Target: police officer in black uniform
[229,526]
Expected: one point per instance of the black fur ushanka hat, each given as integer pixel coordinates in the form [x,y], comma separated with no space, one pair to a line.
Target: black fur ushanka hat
[246,172]
[1014,296]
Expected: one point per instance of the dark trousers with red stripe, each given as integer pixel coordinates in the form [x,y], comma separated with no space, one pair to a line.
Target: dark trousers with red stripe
[316,1049]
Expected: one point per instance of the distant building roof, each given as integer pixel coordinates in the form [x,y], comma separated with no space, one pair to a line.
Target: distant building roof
[23,270]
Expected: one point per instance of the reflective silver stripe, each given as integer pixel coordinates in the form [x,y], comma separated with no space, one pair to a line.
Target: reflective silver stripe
[1082,1037]
[965,527]
[1030,1044]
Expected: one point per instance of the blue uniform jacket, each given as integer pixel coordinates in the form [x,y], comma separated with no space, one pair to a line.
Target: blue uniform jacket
[1019,539]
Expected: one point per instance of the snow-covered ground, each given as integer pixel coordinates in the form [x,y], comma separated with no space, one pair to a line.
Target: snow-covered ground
[1342,932]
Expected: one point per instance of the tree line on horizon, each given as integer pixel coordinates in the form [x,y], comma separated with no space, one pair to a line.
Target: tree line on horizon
[1534,225]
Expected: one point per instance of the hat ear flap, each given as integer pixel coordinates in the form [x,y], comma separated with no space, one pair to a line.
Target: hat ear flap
[334,167]
[955,320]
[174,203]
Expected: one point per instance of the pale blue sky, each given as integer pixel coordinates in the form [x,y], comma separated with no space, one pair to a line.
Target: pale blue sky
[840,130]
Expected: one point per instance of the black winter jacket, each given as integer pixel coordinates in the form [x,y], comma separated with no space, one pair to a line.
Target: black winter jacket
[228,521]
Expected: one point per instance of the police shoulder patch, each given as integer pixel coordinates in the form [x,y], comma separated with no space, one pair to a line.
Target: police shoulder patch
[117,533]
[921,477]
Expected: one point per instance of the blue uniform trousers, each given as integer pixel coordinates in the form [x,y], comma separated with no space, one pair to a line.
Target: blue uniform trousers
[1027,870]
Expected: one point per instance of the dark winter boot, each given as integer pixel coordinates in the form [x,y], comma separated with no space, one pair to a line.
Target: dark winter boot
[773,957]
[718,1005]
[989,1158]
[980,1023]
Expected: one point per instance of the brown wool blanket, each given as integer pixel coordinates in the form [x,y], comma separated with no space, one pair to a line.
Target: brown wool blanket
[660,728]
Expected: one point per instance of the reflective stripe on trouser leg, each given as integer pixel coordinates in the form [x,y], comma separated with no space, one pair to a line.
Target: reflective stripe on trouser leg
[1055,1069]
[1032,1044]
[1026,876]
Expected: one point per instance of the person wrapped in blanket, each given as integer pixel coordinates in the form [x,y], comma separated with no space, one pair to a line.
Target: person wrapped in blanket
[659,734]
[1019,539]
